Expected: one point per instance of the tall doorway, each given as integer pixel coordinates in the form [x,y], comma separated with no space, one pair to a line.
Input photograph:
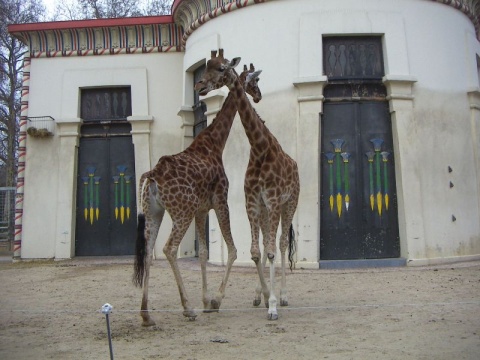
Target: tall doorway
[359,218]
[106,195]
[200,123]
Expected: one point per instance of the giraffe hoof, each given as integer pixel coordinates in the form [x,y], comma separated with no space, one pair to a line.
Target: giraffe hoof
[283,302]
[213,306]
[148,322]
[256,302]
[272,316]
[190,314]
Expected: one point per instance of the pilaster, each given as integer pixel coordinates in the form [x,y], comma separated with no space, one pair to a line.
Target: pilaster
[188,121]
[310,106]
[474,100]
[214,101]
[68,133]
[401,102]
[141,141]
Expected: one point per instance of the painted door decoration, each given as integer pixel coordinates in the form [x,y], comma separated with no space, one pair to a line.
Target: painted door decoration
[106,198]
[358,204]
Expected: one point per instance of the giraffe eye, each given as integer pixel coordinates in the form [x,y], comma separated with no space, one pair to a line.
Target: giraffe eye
[222,68]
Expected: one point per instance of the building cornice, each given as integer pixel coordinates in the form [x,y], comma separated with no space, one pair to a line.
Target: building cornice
[100,37]
[150,33]
[191,14]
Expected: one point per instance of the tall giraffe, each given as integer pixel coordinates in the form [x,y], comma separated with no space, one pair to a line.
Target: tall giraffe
[271,183]
[188,185]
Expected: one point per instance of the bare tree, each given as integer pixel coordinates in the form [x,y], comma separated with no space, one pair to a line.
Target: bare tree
[11,55]
[157,7]
[101,9]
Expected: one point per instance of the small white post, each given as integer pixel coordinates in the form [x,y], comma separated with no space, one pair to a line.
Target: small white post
[106,309]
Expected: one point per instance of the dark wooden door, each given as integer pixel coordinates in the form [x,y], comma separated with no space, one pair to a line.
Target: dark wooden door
[106,196]
[358,200]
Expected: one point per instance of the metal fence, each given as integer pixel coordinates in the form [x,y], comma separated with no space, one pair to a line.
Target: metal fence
[7,216]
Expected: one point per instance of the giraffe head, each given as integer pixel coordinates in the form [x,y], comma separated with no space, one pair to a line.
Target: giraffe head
[220,72]
[249,79]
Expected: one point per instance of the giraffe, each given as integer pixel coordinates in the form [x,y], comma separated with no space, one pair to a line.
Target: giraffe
[271,184]
[187,185]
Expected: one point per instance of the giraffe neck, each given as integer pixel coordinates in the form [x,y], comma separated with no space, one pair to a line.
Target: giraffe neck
[216,134]
[257,133]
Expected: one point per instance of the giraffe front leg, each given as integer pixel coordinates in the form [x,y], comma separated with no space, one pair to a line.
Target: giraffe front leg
[283,248]
[259,263]
[170,250]
[263,288]
[200,220]
[283,286]
[259,289]
[223,216]
[271,249]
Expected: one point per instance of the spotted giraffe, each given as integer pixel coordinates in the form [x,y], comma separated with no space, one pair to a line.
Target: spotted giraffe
[187,185]
[271,182]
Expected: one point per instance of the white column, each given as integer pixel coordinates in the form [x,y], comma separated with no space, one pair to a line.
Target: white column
[410,220]
[68,132]
[188,122]
[474,99]
[307,225]
[141,141]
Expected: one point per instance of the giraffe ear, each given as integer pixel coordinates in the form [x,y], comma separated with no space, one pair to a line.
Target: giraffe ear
[251,76]
[234,62]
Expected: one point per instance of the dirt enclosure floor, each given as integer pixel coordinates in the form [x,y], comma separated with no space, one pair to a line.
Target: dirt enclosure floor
[51,310]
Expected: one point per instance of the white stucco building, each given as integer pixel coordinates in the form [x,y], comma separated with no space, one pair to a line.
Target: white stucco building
[403,73]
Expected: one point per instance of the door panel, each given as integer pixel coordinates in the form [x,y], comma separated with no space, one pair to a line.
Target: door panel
[358,207]
[106,211]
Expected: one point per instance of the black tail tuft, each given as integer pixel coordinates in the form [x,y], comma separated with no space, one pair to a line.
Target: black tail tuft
[292,247]
[140,246]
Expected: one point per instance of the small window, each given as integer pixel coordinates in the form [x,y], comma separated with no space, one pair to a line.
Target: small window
[199,107]
[478,69]
[350,58]
[106,104]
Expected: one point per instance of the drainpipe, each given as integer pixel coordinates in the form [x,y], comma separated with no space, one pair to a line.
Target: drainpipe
[22,152]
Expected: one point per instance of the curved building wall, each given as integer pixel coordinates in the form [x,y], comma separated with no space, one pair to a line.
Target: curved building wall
[430,52]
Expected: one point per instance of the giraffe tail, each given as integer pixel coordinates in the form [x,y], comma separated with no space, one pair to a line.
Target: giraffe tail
[292,247]
[140,245]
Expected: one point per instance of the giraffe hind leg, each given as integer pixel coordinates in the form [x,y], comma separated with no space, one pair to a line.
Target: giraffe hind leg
[287,240]
[272,301]
[152,231]
[273,222]
[147,231]
[261,286]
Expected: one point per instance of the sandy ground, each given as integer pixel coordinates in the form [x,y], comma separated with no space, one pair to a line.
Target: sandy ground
[51,310]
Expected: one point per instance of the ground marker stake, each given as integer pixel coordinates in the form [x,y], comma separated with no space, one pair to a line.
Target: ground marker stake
[106,309]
